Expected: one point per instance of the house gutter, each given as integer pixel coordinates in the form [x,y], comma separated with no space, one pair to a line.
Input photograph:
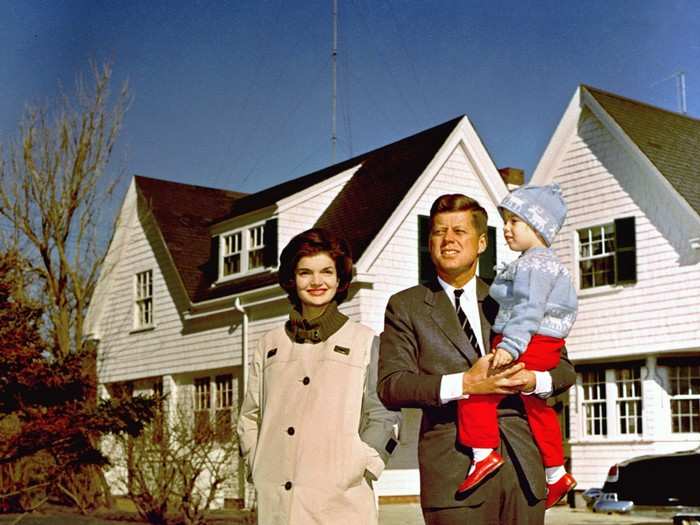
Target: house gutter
[244,341]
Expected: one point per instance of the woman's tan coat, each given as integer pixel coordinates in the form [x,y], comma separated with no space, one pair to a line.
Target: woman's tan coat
[309,412]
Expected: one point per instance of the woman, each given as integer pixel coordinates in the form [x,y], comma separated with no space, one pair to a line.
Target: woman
[311,428]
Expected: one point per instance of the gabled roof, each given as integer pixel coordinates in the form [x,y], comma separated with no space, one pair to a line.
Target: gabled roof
[185,213]
[671,141]
[368,199]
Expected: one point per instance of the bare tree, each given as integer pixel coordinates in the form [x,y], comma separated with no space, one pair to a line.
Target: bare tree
[53,186]
[174,471]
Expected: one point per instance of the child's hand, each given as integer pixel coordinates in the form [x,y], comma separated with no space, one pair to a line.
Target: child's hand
[500,358]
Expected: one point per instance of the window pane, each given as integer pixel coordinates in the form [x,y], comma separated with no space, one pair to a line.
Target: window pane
[143,309]
[594,405]
[202,399]
[232,264]
[255,259]
[224,425]
[597,256]
[232,243]
[224,391]
[202,426]
[629,400]
[255,237]
[685,398]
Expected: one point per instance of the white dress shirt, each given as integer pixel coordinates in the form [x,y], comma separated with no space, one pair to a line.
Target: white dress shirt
[451,385]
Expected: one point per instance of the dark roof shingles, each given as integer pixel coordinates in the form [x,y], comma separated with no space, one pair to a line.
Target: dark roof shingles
[367,201]
[185,213]
[671,141]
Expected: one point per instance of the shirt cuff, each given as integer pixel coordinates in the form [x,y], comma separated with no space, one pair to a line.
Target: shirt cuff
[451,387]
[543,385]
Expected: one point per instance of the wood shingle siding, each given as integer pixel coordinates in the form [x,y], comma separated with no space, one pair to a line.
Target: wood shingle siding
[599,157]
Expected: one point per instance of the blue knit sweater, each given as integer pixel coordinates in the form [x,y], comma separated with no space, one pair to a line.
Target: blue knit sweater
[536,296]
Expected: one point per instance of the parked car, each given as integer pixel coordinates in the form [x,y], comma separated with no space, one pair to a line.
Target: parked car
[608,502]
[663,479]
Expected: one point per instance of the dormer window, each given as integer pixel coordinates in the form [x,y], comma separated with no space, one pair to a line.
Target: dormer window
[256,247]
[248,250]
[232,253]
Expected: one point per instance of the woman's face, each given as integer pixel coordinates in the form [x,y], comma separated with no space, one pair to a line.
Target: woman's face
[316,282]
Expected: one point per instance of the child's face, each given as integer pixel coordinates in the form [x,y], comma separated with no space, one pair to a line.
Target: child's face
[519,235]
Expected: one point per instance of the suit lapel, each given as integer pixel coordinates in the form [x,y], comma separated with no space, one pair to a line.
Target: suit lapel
[444,316]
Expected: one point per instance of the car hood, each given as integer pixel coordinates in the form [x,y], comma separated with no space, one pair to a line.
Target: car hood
[654,456]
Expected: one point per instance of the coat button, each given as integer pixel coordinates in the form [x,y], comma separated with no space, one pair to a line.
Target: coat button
[288,485]
[306,380]
[290,431]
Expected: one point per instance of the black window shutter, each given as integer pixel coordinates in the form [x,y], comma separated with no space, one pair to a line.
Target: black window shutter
[625,251]
[426,270]
[487,260]
[214,257]
[270,241]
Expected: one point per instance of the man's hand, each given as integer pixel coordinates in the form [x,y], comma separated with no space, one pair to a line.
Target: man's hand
[477,379]
[530,380]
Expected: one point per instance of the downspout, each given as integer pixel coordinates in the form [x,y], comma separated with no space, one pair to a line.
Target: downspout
[248,498]
[244,341]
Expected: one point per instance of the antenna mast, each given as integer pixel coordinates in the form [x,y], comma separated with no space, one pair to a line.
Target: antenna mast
[681,91]
[334,55]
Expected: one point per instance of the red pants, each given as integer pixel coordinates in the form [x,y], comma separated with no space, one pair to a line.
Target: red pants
[477,418]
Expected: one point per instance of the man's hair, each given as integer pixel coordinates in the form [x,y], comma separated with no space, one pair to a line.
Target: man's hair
[307,244]
[459,202]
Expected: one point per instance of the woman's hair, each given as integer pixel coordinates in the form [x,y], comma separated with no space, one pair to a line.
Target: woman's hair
[310,243]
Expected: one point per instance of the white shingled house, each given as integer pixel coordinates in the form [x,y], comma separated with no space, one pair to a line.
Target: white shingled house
[630,174]
[189,283]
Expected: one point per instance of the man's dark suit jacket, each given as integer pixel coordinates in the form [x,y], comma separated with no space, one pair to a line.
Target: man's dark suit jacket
[421,342]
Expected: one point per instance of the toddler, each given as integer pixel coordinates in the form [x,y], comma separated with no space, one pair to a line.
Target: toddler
[537,302]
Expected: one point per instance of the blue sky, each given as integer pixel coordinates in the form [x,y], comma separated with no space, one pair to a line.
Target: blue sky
[237,94]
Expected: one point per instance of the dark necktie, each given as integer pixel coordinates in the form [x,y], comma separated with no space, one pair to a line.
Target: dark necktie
[462,316]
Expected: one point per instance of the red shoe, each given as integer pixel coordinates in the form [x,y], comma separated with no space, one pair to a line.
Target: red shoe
[557,491]
[483,468]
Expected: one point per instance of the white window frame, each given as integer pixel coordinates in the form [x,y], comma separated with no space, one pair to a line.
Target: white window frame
[617,390]
[629,399]
[225,401]
[579,258]
[231,246]
[213,394]
[598,400]
[252,238]
[674,374]
[143,300]
[201,402]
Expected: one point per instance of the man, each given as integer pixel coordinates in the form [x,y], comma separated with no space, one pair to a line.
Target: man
[430,357]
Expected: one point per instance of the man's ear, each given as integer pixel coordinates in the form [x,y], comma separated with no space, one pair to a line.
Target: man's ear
[483,243]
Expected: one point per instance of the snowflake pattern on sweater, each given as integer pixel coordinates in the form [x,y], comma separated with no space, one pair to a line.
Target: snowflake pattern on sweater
[536,295]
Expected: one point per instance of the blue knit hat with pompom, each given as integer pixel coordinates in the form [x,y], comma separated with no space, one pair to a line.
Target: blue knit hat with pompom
[542,207]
